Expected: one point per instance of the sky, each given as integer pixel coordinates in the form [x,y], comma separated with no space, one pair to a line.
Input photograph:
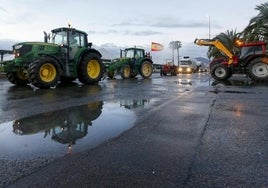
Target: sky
[120,23]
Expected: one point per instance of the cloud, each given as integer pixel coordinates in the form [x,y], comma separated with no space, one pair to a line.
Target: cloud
[141,33]
[166,22]
[180,25]
[3,9]
[6,44]
[125,32]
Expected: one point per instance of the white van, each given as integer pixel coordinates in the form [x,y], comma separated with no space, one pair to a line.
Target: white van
[187,65]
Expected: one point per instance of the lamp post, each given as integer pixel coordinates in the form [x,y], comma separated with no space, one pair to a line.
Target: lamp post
[208,27]
[178,48]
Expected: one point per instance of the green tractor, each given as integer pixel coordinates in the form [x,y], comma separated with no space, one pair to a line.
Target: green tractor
[63,56]
[131,62]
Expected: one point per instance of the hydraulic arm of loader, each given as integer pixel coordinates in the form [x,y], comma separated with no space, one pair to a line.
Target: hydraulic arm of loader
[218,45]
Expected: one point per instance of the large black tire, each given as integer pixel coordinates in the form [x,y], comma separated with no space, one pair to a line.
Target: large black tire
[125,71]
[258,70]
[14,79]
[44,72]
[146,69]
[91,69]
[220,72]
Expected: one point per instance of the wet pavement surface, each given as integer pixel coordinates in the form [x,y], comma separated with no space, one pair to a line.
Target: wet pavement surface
[172,131]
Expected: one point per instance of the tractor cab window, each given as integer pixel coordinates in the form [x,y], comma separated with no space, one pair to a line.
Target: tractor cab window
[74,40]
[129,53]
[250,50]
[139,53]
[77,39]
[59,38]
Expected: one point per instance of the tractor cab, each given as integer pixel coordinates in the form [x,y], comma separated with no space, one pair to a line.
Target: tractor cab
[132,53]
[250,50]
[70,39]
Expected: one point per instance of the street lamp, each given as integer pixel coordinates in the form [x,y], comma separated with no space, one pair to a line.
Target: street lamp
[178,48]
[208,27]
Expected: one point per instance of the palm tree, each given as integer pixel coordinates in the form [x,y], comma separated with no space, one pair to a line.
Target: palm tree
[257,28]
[228,39]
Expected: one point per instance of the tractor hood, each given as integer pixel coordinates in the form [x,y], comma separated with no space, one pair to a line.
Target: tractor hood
[30,48]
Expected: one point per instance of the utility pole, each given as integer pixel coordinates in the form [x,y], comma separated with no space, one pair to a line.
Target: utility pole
[178,49]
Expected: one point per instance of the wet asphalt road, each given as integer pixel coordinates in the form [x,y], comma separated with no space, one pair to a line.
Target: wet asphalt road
[193,132]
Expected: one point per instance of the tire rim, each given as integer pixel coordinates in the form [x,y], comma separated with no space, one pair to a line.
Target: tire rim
[47,72]
[93,69]
[146,69]
[260,70]
[126,71]
[220,72]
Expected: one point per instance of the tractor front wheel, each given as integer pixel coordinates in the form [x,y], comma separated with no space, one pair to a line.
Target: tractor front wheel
[258,70]
[91,69]
[220,72]
[146,69]
[15,79]
[125,71]
[44,73]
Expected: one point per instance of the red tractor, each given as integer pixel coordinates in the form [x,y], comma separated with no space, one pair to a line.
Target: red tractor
[169,68]
[252,60]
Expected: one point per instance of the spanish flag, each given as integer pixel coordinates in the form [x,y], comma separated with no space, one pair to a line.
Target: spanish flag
[156,46]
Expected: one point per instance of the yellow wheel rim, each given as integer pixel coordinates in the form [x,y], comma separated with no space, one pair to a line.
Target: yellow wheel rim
[93,69]
[146,69]
[127,71]
[47,72]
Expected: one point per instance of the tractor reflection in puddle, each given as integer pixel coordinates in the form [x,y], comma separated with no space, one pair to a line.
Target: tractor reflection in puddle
[66,126]
[129,104]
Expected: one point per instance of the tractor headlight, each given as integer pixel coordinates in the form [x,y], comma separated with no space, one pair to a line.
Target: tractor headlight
[180,69]
[16,54]
[21,49]
[16,50]
[188,69]
[17,47]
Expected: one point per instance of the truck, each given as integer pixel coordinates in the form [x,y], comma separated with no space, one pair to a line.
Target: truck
[251,60]
[187,65]
[132,61]
[64,56]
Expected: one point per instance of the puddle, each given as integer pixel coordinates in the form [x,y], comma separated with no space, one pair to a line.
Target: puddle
[238,82]
[70,130]
[184,82]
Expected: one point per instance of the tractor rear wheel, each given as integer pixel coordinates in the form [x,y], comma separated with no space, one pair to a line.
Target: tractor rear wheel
[258,70]
[220,72]
[146,69]
[44,73]
[15,79]
[91,69]
[125,71]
